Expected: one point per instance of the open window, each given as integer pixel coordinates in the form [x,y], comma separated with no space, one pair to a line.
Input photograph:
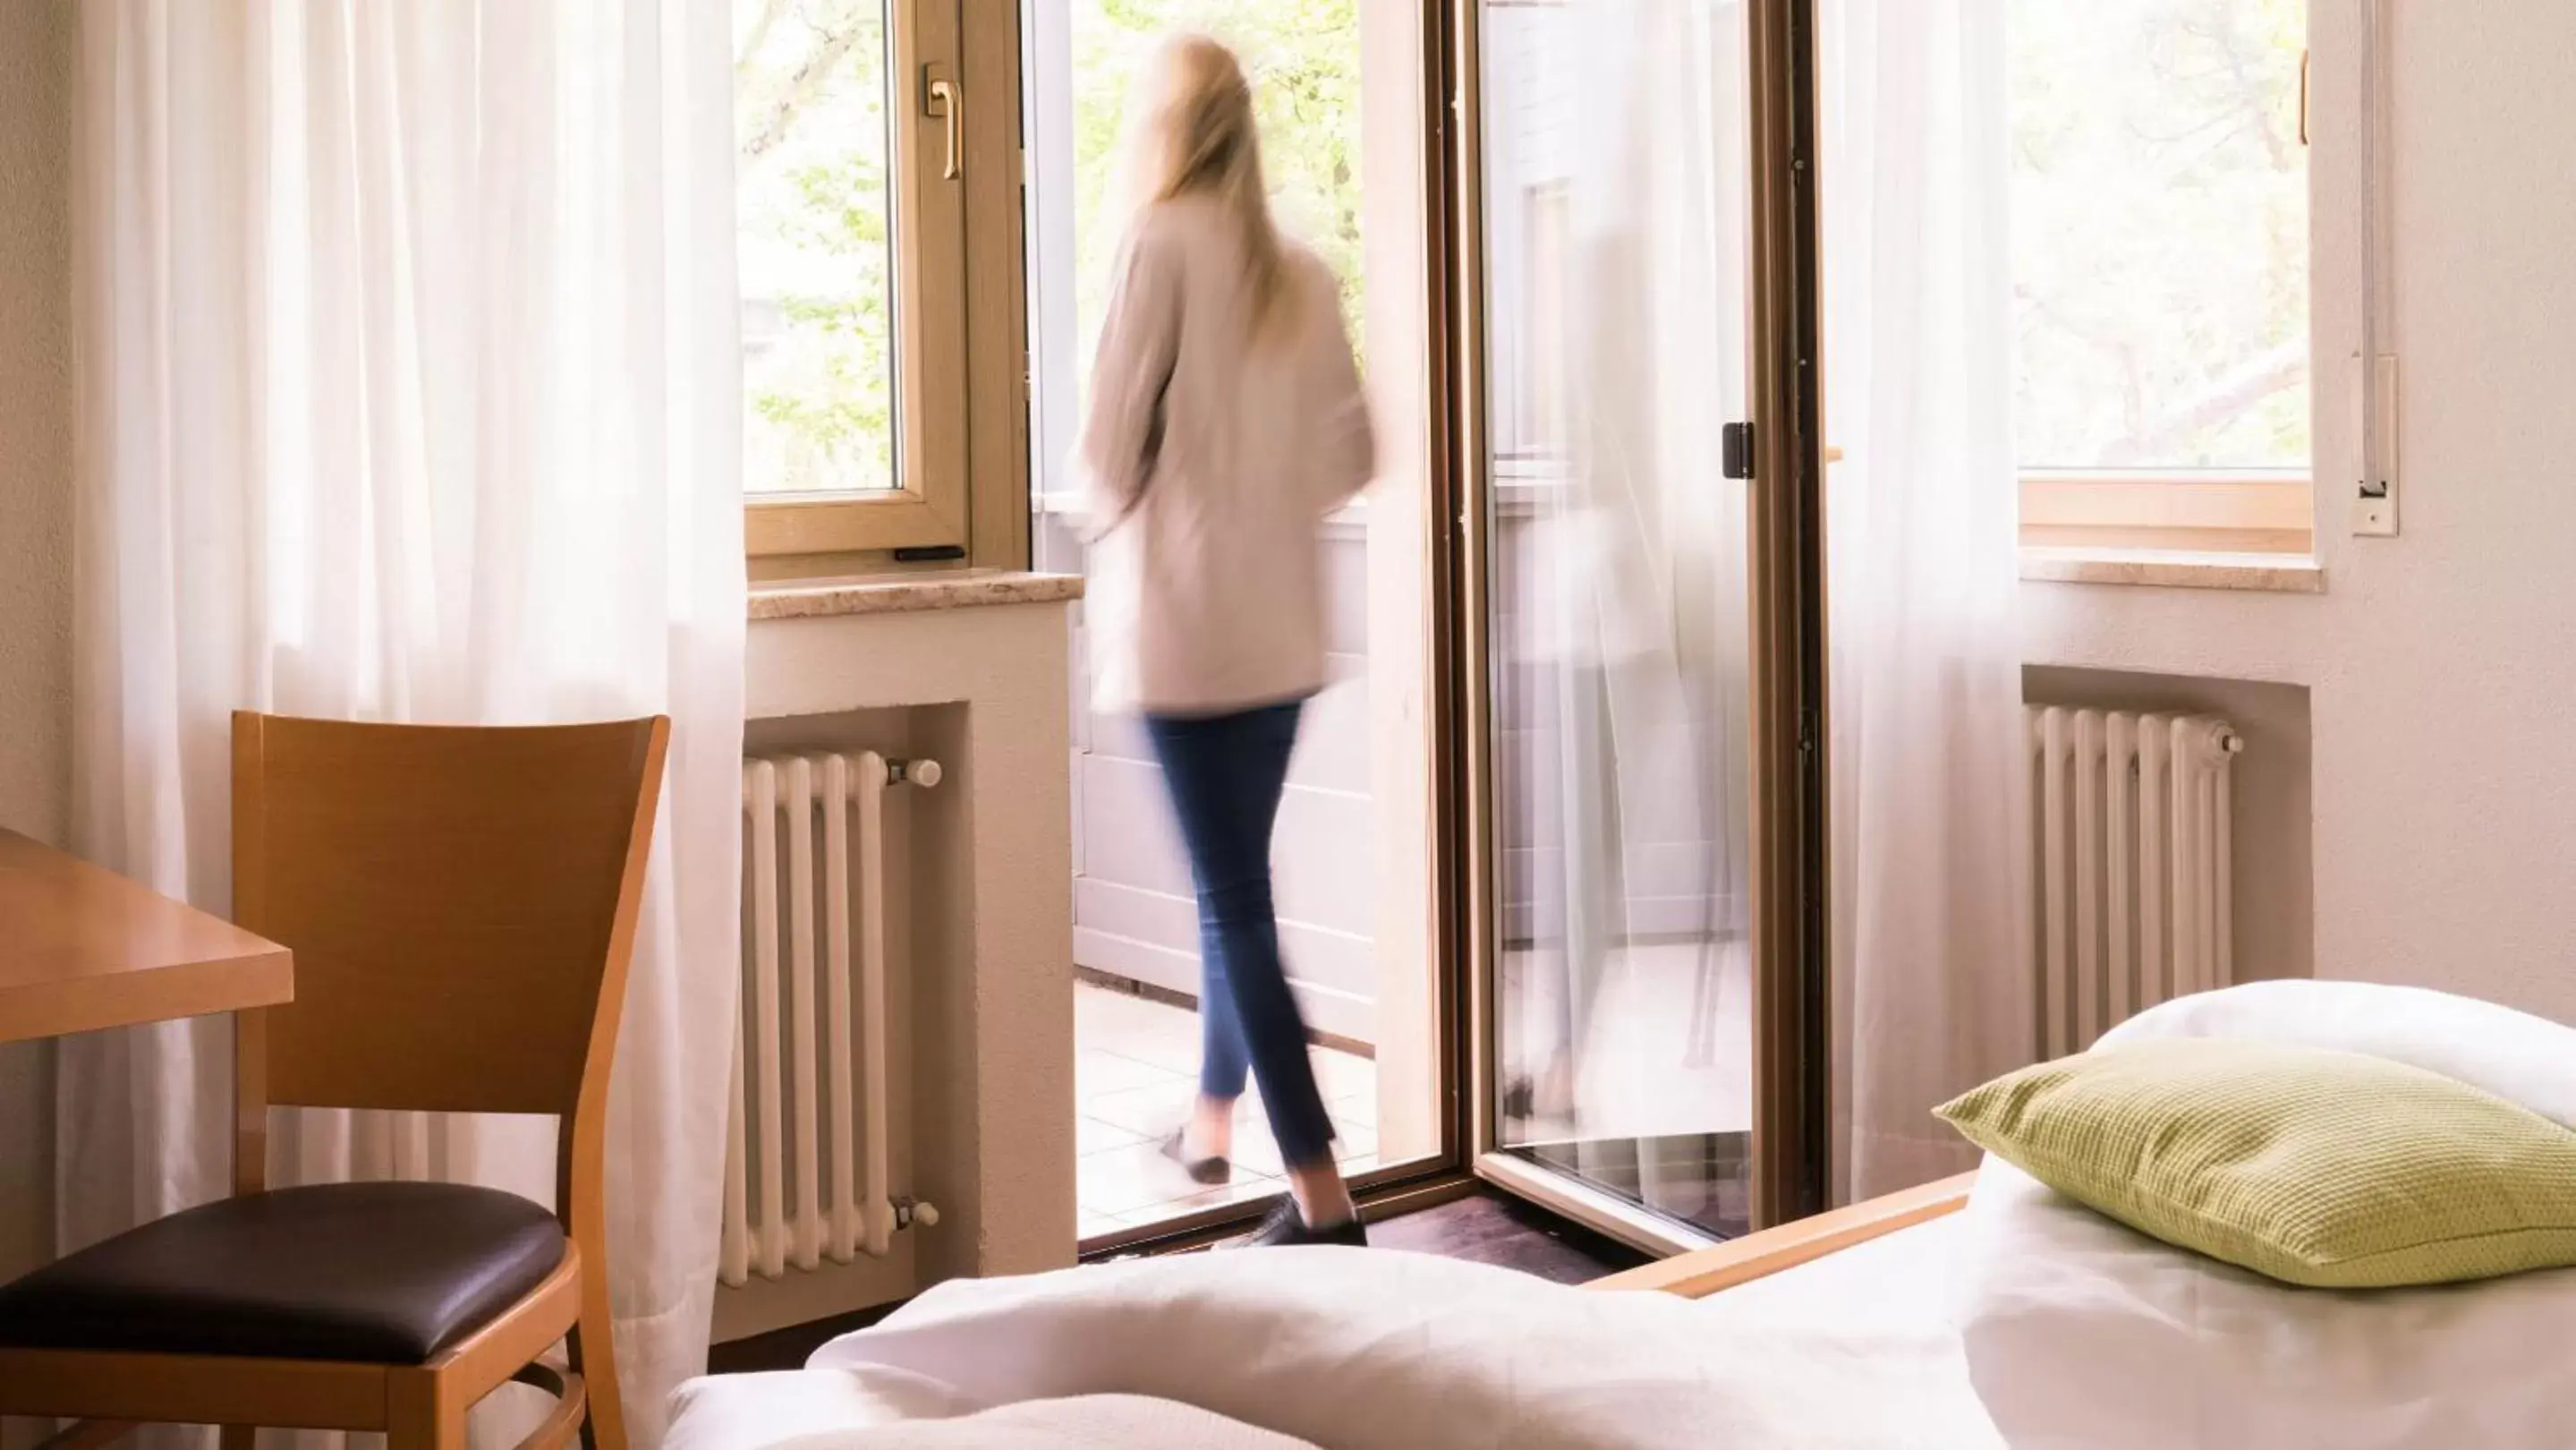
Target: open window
[873,189]
[2160,271]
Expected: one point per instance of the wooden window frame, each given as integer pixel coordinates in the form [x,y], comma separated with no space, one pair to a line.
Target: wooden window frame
[961,468]
[2233,511]
[2183,511]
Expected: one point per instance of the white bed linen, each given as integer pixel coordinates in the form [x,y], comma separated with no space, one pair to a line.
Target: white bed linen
[2080,1332]
[747,1411]
[1359,1349]
[1080,1422]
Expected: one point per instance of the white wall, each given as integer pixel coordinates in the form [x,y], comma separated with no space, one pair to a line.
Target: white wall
[2442,688]
[35,534]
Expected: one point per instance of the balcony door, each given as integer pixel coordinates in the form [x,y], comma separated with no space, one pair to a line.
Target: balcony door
[1642,607]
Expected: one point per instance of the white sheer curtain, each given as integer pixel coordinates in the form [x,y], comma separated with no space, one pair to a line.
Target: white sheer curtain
[1932,986]
[408,389]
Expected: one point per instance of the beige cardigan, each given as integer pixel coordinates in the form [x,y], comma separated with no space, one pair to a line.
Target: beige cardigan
[1210,463]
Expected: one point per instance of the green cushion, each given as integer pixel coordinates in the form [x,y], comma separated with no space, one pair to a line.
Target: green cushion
[2328,1169]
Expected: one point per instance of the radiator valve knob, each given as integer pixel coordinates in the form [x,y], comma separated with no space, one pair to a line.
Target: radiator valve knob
[923,773]
[914,1213]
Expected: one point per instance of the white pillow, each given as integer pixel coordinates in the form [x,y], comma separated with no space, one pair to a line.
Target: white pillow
[2521,1058]
[2080,1332]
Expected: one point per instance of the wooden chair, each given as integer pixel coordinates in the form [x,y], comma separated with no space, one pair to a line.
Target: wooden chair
[461,903]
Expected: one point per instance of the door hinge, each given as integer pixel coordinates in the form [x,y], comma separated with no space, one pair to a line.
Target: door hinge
[1735,450]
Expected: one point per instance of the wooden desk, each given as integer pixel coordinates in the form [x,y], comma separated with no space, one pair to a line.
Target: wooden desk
[83,948]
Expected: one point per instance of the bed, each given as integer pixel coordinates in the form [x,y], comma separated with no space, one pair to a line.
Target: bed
[1971,1314]
[1859,1290]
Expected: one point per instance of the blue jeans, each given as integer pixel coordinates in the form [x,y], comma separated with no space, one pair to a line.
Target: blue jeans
[1225,775]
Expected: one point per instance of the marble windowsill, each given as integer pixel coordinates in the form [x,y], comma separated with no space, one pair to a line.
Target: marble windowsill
[2169,569]
[910,593]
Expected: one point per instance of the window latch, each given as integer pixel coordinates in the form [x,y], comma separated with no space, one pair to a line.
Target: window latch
[942,102]
[1735,450]
[2303,99]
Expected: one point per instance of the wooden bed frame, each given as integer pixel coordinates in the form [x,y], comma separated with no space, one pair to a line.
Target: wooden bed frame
[1704,1272]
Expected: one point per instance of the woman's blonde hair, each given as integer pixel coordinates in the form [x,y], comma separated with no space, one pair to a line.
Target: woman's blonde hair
[1192,133]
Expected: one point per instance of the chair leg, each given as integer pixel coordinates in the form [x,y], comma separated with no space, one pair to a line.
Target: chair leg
[241,1437]
[415,1418]
[426,1432]
[592,1351]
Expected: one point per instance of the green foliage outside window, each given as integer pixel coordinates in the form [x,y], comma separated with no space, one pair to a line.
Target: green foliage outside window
[2160,234]
[812,136]
[1304,61]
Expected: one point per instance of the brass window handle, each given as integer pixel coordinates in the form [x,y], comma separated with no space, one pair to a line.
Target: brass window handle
[947,103]
[2303,97]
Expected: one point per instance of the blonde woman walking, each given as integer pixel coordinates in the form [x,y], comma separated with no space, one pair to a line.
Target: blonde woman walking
[1226,421]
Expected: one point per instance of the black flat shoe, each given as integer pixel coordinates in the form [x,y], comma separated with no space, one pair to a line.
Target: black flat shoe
[1210,1171]
[1285,1227]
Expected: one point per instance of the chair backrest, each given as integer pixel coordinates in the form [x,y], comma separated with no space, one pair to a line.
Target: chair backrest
[461,902]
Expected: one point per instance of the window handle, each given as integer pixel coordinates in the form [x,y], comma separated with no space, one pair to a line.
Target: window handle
[2303,98]
[948,104]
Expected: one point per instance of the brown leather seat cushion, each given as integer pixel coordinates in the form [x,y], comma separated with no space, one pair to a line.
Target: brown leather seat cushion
[389,1273]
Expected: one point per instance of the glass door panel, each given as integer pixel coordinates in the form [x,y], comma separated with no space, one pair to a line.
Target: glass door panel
[1614,182]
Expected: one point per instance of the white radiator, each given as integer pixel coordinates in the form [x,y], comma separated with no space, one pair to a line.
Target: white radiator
[808,1153]
[2130,864]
